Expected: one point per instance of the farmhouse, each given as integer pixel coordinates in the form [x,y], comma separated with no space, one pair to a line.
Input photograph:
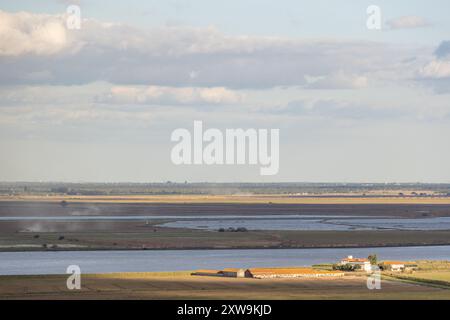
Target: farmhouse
[363,263]
[397,266]
[264,273]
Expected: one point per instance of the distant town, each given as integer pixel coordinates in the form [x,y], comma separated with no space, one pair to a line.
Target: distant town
[192,188]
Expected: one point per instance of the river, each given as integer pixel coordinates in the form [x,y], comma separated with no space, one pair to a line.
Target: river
[29,263]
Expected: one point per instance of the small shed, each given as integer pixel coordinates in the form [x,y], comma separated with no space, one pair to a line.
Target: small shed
[234,272]
[214,273]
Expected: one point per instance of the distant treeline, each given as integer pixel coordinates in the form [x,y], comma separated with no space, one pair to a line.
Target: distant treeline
[176,188]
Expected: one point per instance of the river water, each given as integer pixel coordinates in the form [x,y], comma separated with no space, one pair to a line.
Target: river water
[315,223]
[21,263]
[268,222]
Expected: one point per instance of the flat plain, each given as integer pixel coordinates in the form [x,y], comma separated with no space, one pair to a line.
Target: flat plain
[181,285]
[141,234]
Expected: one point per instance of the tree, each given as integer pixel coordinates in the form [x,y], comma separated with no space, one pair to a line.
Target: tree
[373,259]
[346,267]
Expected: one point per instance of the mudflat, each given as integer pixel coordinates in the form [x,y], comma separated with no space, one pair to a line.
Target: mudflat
[141,234]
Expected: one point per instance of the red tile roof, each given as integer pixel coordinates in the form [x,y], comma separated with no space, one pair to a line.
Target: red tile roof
[355,260]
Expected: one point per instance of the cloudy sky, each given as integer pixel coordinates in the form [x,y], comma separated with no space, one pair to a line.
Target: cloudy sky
[100,103]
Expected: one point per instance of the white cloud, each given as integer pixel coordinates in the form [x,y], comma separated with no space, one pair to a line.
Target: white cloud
[408,22]
[436,69]
[181,56]
[435,72]
[338,80]
[25,33]
[172,95]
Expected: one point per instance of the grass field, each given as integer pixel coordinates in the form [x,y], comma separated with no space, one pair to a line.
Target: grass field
[434,265]
[434,275]
[430,272]
[432,278]
[181,285]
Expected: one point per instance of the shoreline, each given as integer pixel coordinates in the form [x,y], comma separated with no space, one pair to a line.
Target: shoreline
[232,248]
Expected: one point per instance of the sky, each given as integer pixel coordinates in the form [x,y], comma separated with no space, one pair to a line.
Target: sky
[99,103]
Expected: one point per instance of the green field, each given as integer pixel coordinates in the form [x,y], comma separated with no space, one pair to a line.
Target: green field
[434,275]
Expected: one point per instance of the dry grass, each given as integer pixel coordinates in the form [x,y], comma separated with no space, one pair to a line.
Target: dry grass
[431,272]
[434,275]
[182,286]
[139,275]
[433,265]
[276,199]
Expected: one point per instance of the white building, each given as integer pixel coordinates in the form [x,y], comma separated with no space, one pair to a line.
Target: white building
[362,262]
[398,266]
